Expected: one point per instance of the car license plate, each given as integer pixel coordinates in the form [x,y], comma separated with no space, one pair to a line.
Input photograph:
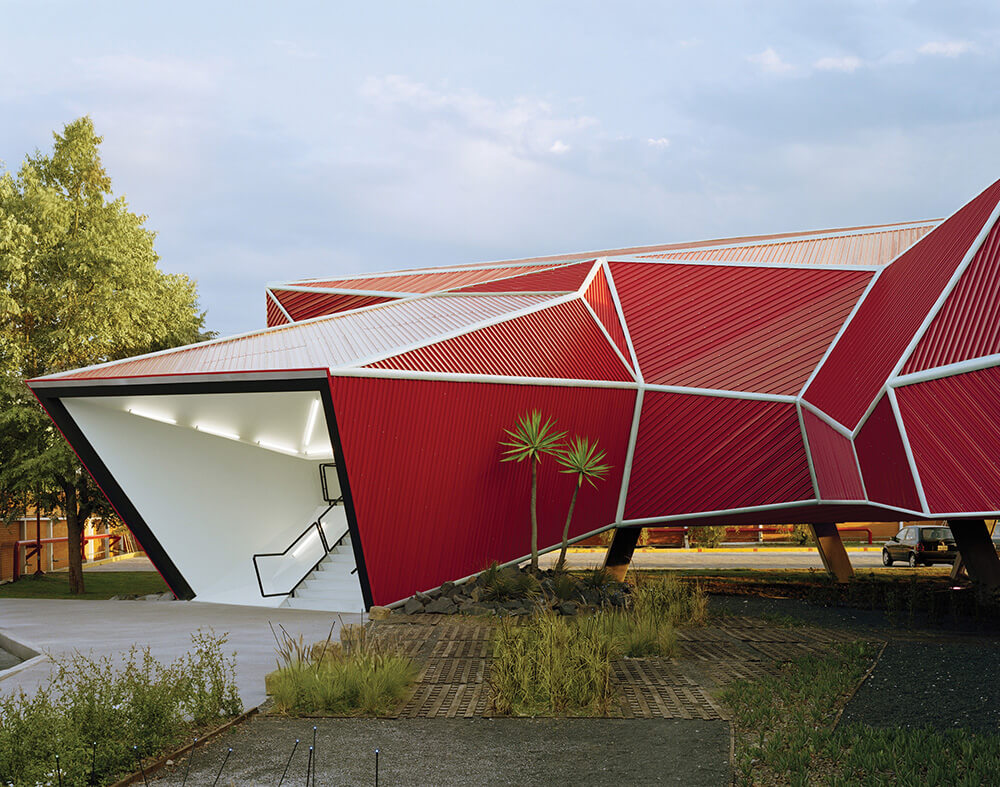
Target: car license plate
[942,547]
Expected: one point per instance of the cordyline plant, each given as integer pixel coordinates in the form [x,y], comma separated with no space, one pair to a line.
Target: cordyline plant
[582,459]
[531,440]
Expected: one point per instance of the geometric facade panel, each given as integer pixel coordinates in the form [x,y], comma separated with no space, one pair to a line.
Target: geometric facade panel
[833,461]
[968,325]
[737,328]
[888,318]
[954,430]
[883,460]
[707,453]
[565,278]
[598,295]
[436,502]
[306,305]
[557,342]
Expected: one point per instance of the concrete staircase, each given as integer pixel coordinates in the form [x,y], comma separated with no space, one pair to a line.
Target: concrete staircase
[331,586]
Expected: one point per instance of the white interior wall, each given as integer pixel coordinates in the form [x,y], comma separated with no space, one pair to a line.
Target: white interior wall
[211,502]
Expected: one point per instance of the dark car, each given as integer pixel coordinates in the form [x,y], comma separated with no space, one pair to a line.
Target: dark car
[917,544]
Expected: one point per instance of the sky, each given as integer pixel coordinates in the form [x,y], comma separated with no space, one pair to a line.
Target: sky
[276,141]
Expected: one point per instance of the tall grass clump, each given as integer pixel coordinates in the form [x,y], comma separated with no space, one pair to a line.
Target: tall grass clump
[134,701]
[551,666]
[360,675]
[668,598]
[507,584]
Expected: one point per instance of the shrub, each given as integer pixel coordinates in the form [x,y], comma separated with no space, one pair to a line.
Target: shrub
[708,535]
[506,584]
[135,701]
[360,676]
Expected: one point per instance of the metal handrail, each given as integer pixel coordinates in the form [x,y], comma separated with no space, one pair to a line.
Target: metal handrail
[318,524]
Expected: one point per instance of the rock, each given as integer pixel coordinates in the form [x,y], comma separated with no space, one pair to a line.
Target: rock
[117,598]
[476,594]
[441,606]
[461,598]
[447,587]
[433,594]
[567,608]
[423,598]
[378,613]
[152,597]
[413,606]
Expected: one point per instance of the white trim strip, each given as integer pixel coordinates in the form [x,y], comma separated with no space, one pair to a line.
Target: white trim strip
[950,370]
[813,266]
[629,457]
[609,280]
[720,512]
[470,328]
[952,283]
[460,268]
[721,393]
[907,449]
[843,327]
[406,374]
[857,464]
[867,414]
[832,423]
[344,291]
[805,443]
[277,303]
[589,279]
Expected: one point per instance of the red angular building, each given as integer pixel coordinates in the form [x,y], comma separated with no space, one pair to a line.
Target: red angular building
[349,454]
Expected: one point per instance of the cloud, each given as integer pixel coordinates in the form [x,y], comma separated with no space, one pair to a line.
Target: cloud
[771,62]
[946,48]
[847,64]
[660,142]
[559,147]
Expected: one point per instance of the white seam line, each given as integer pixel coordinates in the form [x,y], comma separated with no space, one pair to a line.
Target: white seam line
[607,336]
[629,457]
[609,280]
[805,444]
[277,303]
[914,472]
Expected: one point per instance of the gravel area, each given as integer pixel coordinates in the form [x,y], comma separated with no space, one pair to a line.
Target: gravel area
[469,751]
[945,685]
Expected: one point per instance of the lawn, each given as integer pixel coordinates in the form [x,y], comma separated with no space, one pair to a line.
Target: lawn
[98,584]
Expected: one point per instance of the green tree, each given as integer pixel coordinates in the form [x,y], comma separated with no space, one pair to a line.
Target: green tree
[79,285]
[582,459]
[531,440]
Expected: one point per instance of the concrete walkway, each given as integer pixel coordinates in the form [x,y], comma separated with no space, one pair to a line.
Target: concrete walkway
[58,627]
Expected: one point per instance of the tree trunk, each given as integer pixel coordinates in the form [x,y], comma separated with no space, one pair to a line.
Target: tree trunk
[75,522]
[534,516]
[561,563]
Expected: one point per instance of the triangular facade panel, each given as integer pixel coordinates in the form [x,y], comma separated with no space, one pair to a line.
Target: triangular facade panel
[306,305]
[275,316]
[598,295]
[566,278]
[833,461]
[736,328]
[892,312]
[968,325]
[561,342]
[882,456]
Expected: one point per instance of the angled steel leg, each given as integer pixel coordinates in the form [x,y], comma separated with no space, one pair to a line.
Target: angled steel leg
[620,551]
[831,550]
[975,546]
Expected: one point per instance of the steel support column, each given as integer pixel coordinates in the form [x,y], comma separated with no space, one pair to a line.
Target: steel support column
[620,551]
[979,556]
[831,550]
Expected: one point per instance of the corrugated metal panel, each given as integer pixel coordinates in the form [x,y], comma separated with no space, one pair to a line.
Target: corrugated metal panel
[274,314]
[794,515]
[893,310]
[434,501]
[704,453]
[330,342]
[954,433]
[566,278]
[863,248]
[883,460]
[833,461]
[598,295]
[735,328]
[559,342]
[418,282]
[306,305]
[968,325]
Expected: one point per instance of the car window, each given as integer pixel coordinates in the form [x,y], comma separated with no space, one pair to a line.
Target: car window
[935,534]
[907,534]
[901,535]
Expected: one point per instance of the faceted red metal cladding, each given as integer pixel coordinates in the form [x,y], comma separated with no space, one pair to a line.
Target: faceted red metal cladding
[418,281]
[954,432]
[833,461]
[274,314]
[565,278]
[561,341]
[900,299]
[882,456]
[738,328]
[598,295]
[708,453]
[306,305]
[432,498]
[968,325]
